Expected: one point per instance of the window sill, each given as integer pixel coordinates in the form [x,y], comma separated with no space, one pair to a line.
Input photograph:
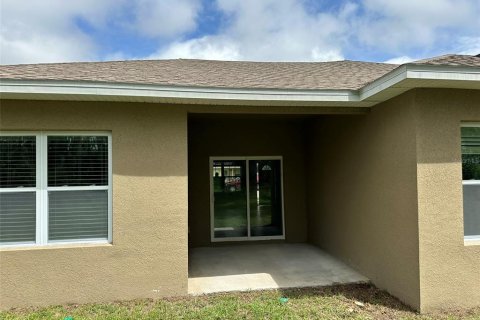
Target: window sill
[58,245]
[472,241]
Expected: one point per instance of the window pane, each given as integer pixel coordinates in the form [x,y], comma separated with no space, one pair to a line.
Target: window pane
[17,161]
[77,161]
[471,153]
[265,198]
[471,171]
[229,198]
[471,209]
[78,215]
[17,217]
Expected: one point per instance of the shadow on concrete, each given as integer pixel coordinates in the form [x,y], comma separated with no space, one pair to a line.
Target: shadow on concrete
[265,266]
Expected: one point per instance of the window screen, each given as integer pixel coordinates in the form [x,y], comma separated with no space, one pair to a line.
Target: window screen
[17,217]
[17,161]
[78,214]
[471,180]
[17,189]
[77,161]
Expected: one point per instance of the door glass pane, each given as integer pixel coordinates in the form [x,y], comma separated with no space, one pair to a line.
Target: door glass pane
[230,198]
[265,198]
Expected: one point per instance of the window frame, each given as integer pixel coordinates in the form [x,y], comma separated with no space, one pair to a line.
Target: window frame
[41,189]
[469,238]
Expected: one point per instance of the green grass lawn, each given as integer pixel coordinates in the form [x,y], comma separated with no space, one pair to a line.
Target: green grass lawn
[359,301]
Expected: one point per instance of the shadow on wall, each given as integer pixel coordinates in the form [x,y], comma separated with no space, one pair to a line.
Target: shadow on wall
[148,140]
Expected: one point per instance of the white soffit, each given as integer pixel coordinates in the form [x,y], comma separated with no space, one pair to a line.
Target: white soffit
[412,76]
[401,79]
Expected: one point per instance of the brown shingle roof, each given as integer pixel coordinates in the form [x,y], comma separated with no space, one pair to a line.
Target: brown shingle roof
[451,60]
[205,73]
[334,75]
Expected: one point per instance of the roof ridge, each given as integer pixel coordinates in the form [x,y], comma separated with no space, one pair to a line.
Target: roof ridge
[193,60]
[444,56]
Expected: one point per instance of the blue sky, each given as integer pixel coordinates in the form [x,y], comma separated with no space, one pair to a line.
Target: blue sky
[33,31]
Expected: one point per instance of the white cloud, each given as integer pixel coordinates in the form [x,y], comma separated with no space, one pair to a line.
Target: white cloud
[45,48]
[211,48]
[399,26]
[45,31]
[319,54]
[287,30]
[166,18]
[468,45]
[269,30]
[34,31]
[116,56]
[400,60]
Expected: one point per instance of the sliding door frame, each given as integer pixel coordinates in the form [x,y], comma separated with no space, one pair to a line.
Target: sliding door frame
[247,174]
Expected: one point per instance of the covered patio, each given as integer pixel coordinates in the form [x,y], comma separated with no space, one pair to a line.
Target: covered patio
[249,227]
[264,266]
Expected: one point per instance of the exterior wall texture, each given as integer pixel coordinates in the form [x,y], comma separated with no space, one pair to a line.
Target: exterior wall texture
[246,136]
[362,196]
[381,190]
[148,256]
[449,269]
[385,195]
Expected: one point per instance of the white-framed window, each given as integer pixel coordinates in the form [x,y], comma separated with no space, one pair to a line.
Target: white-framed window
[55,187]
[471,180]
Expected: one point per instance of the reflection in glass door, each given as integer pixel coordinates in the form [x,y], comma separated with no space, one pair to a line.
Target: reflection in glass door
[246,198]
[265,198]
[230,199]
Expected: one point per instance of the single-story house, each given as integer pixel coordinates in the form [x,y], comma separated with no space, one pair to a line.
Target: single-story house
[112,172]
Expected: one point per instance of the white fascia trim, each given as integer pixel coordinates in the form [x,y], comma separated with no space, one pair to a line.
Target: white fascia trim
[8,86]
[419,72]
[389,80]
[392,80]
[433,72]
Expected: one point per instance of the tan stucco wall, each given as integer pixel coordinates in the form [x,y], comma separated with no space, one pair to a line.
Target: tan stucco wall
[362,197]
[148,257]
[449,270]
[381,190]
[385,195]
[246,136]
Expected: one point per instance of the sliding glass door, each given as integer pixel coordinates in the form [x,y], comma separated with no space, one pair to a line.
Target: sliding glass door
[246,198]
[230,198]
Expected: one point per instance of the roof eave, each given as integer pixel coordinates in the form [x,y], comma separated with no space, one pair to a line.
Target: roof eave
[411,76]
[71,90]
[399,80]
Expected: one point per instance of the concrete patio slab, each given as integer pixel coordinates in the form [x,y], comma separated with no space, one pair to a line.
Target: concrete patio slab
[264,266]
